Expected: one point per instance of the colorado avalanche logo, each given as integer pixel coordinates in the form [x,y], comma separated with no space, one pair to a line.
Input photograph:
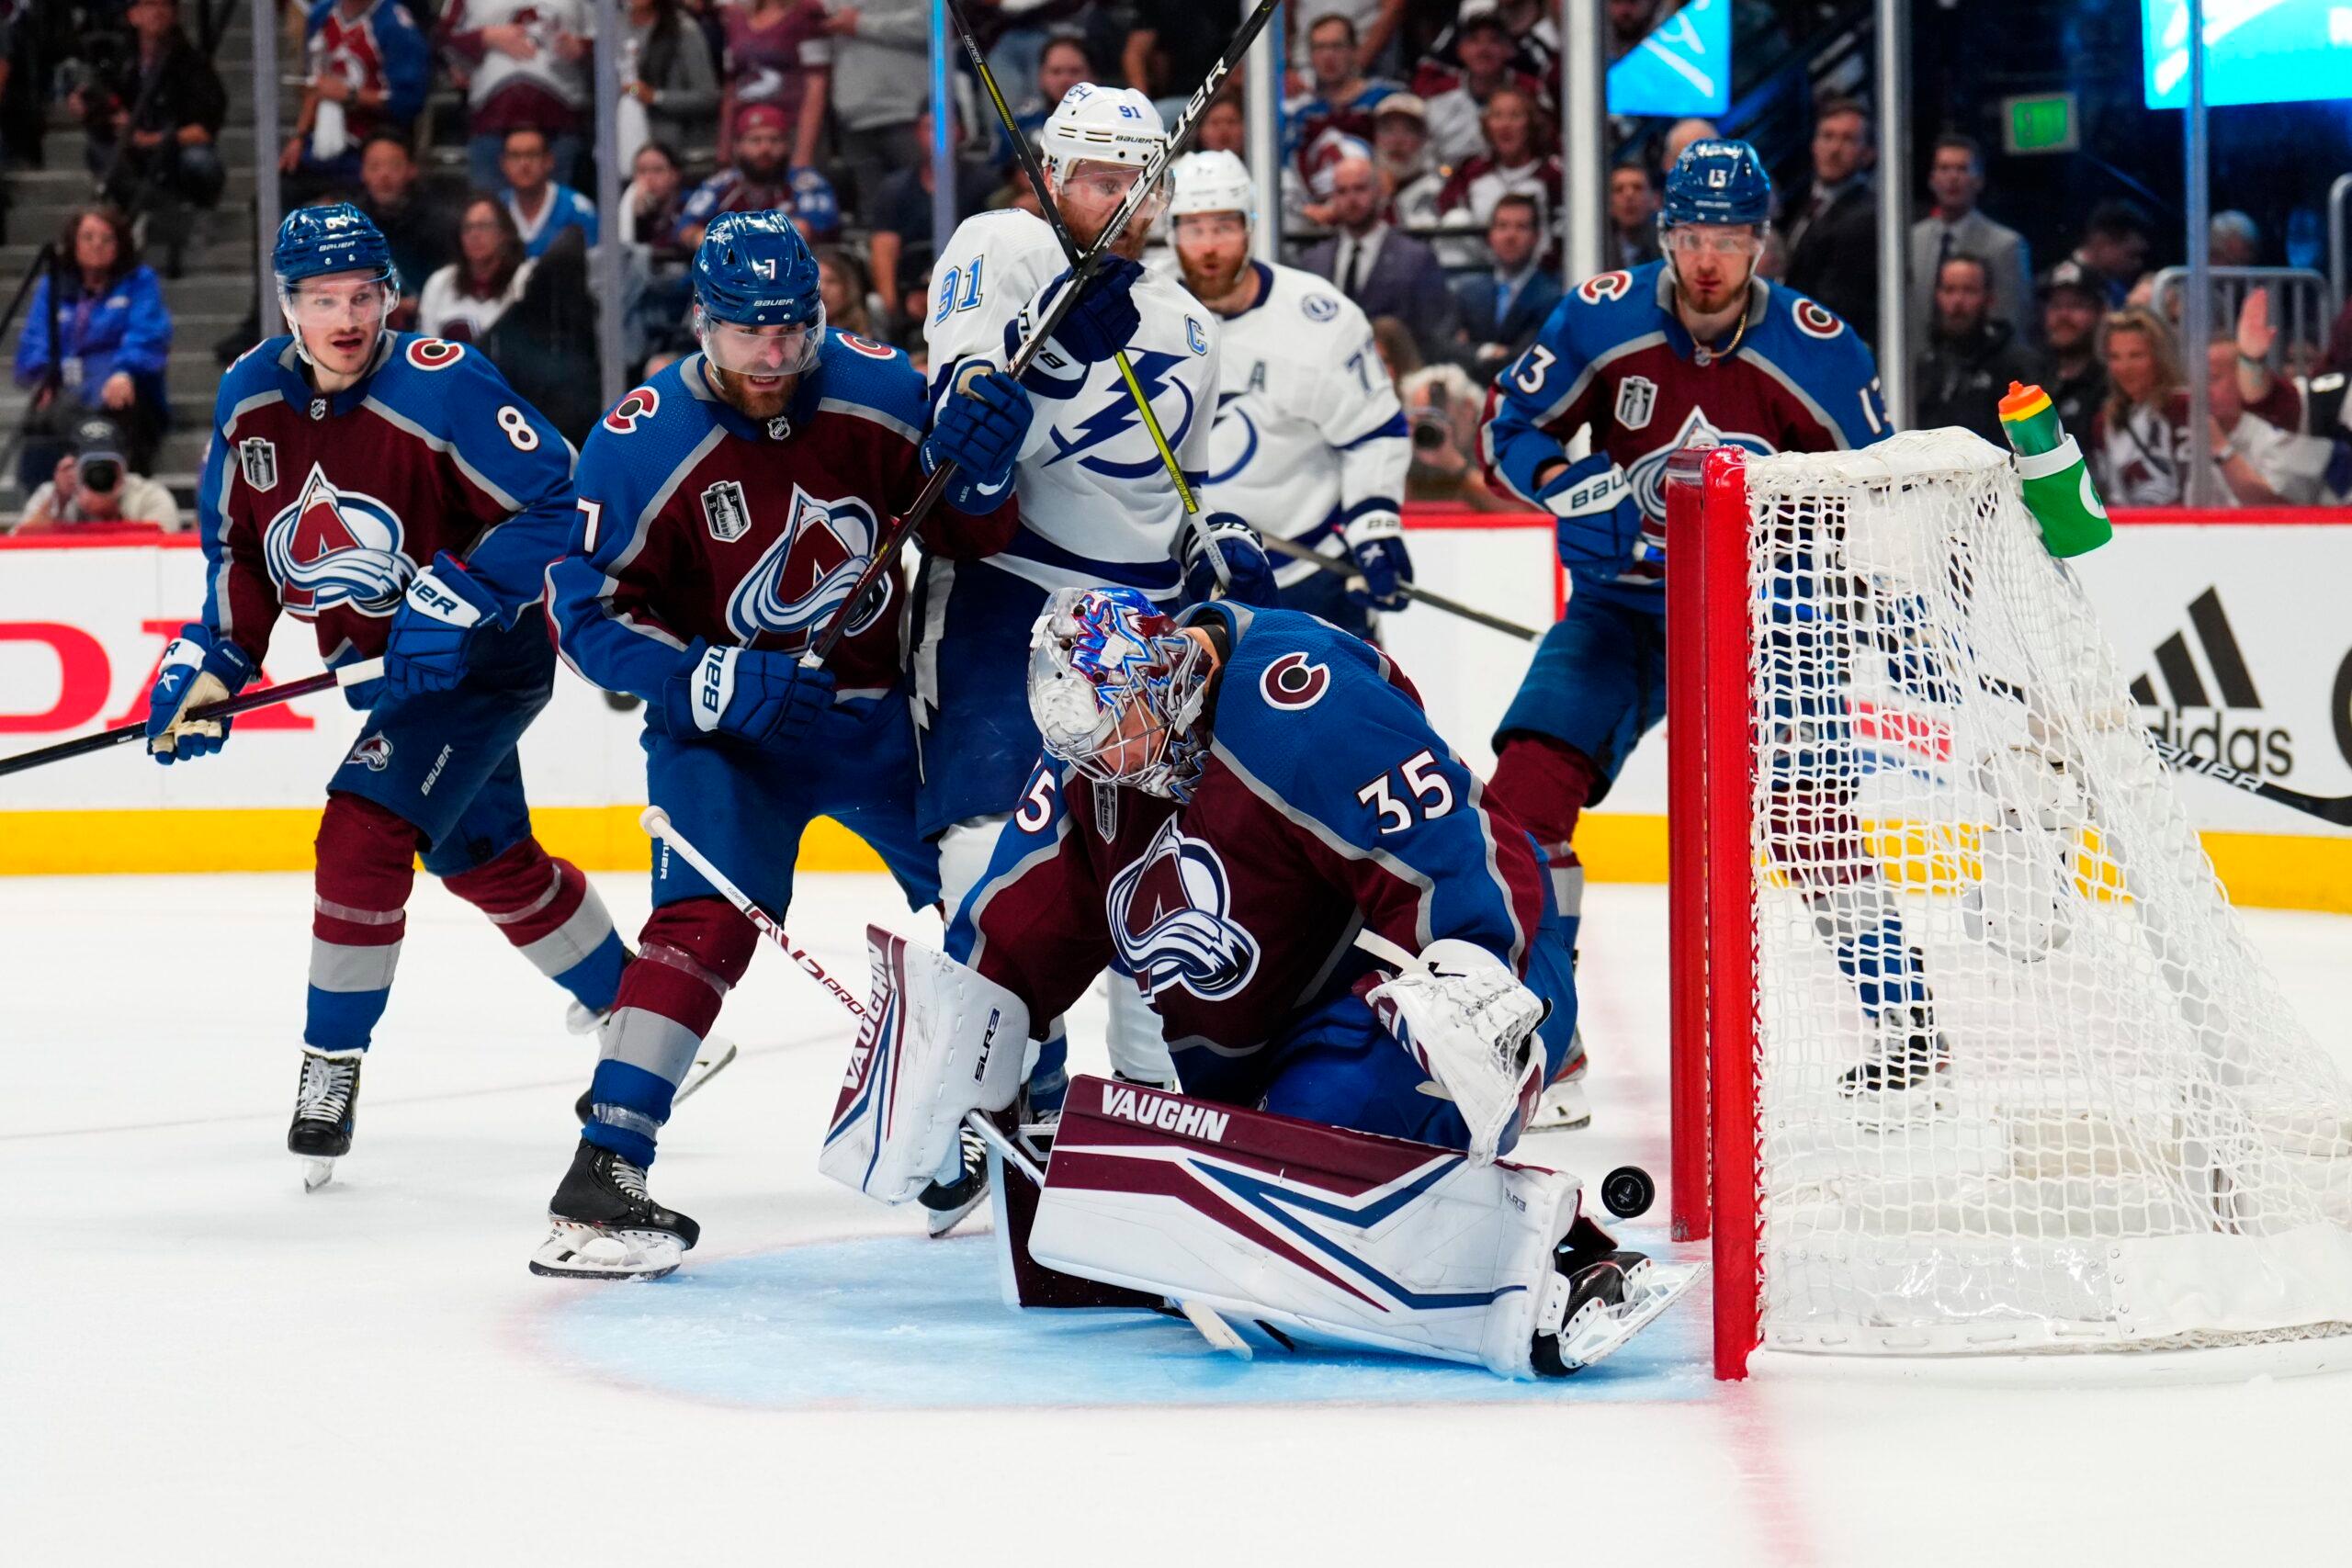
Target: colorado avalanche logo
[807,574]
[641,404]
[373,754]
[1814,322]
[1606,287]
[434,354]
[337,546]
[1167,918]
[1292,682]
[1647,474]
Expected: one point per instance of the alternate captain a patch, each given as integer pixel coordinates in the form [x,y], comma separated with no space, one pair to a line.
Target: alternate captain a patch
[258,456]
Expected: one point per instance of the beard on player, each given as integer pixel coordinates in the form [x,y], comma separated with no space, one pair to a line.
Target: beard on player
[1088,196]
[1708,281]
[1213,249]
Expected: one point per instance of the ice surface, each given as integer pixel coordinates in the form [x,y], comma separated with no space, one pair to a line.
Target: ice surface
[201,1364]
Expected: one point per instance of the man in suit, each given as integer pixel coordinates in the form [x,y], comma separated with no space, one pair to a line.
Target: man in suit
[1632,216]
[1503,310]
[1957,228]
[1831,227]
[1386,272]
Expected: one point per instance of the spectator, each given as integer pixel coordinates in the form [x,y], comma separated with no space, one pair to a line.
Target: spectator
[1503,309]
[546,342]
[841,284]
[1063,66]
[1386,272]
[464,300]
[2294,430]
[541,206]
[368,67]
[93,485]
[1831,229]
[759,179]
[1632,216]
[658,288]
[423,235]
[2071,370]
[1681,134]
[1456,113]
[2233,241]
[902,243]
[1532,48]
[111,339]
[669,83]
[816,211]
[1372,29]
[524,63]
[2114,250]
[1510,164]
[1629,21]
[778,54]
[2140,441]
[2253,456]
[1955,226]
[1172,46]
[1400,142]
[1224,127]
[1341,98]
[1969,357]
[881,79]
[653,200]
[153,114]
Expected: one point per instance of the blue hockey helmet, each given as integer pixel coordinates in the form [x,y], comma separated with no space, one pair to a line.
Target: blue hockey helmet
[1719,183]
[753,271]
[316,240]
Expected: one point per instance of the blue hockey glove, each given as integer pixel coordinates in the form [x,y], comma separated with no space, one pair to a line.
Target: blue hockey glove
[1245,560]
[980,428]
[1377,540]
[202,667]
[1104,319]
[1599,522]
[741,693]
[434,630]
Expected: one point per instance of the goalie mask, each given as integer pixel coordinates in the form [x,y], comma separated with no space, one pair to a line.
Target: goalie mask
[1116,690]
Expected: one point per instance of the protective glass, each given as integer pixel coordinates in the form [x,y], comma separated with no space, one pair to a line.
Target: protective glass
[1712,241]
[1094,191]
[1201,228]
[324,307]
[763,351]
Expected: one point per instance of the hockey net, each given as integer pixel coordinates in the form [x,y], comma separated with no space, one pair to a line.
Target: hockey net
[1972,1056]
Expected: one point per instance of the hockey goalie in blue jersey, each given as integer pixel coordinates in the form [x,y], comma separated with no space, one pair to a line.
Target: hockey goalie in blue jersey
[1694,346]
[1363,980]
[392,491]
[727,507]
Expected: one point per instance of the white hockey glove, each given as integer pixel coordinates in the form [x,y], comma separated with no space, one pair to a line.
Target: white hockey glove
[1471,1024]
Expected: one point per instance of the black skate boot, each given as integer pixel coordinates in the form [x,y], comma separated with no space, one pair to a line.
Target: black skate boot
[1602,1295]
[945,1204]
[1906,1079]
[326,1103]
[605,1225]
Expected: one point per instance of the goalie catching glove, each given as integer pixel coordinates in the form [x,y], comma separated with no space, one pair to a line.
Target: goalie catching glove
[1471,1025]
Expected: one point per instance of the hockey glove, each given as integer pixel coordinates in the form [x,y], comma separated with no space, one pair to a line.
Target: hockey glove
[1376,539]
[1245,561]
[980,428]
[1102,322]
[1599,522]
[741,693]
[200,668]
[1470,1023]
[434,630]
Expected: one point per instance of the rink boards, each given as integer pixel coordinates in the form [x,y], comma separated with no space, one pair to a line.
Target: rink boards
[2231,626]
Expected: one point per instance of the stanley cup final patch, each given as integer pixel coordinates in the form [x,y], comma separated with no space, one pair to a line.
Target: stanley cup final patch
[725,511]
[258,457]
[1636,397]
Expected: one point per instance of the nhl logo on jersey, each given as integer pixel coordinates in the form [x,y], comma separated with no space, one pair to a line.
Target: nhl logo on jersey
[258,457]
[779,428]
[1636,399]
[725,511]
[318,408]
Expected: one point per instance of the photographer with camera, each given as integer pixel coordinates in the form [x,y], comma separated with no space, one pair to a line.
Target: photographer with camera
[93,487]
[153,105]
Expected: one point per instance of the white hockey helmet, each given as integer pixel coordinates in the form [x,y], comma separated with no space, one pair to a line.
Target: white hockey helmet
[1101,125]
[1213,182]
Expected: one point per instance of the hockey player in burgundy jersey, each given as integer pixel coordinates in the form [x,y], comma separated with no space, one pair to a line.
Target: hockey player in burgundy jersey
[726,508]
[392,491]
[1692,346]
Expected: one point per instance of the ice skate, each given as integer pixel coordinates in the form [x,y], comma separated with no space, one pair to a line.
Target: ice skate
[606,1226]
[945,1204]
[326,1103]
[1908,1079]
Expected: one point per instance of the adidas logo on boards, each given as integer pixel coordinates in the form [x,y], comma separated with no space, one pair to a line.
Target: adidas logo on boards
[2248,748]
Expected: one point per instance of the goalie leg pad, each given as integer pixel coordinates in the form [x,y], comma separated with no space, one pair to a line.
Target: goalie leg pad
[939,1039]
[1335,1236]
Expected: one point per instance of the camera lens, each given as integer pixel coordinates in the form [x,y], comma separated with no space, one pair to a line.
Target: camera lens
[104,474]
[1428,437]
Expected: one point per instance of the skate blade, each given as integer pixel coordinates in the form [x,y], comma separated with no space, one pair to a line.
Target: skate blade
[1563,1109]
[1892,1110]
[316,1173]
[716,1054]
[1654,1289]
[937,1222]
[574,1251]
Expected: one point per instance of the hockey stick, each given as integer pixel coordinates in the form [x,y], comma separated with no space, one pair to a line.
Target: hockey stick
[1434,601]
[2327,808]
[1188,125]
[1029,166]
[657,824]
[349,675]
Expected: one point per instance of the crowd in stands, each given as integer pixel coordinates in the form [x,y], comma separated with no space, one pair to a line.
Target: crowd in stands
[1421,174]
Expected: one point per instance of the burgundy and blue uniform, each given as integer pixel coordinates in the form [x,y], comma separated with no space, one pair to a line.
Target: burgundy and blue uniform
[701,529]
[324,507]
[1326,804]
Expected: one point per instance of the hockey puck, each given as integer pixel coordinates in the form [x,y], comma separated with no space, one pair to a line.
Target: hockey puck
[1628,1191]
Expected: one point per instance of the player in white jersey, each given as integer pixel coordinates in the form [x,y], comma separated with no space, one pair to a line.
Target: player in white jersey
[1310,442]
[1098,507]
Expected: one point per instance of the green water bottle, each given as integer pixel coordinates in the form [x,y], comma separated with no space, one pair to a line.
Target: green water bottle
[2058,488]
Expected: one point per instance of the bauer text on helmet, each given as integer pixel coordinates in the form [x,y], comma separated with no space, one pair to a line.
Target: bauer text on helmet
[334,285]
[758,309]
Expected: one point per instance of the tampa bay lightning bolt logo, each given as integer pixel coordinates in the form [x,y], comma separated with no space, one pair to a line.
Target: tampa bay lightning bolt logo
[1167,918]
[1646,476]
[337,546]
[807,574]
[1116,415]
[1320,307]
[1233,424]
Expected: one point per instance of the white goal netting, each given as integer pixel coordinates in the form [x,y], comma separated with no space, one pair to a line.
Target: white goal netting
[2022,1084]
